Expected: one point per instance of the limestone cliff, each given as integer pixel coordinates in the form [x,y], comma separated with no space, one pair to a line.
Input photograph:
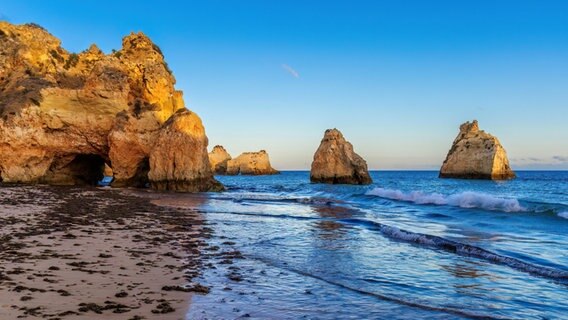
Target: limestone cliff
[63,116]
[476,154]
[179,161]
[335,162]
[251,163]
[218,158]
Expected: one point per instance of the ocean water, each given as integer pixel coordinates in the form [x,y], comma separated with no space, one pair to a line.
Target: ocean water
[409,246]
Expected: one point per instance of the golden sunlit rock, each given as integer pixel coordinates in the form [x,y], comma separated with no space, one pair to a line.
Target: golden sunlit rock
[218,158]
[64,115]
[476,154]
[251,163]
[335,162]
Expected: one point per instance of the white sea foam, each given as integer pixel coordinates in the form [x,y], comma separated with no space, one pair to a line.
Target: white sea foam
[563,214]
[468,199]
[471,251]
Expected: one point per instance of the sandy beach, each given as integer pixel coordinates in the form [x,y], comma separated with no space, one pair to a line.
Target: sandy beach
[76,253]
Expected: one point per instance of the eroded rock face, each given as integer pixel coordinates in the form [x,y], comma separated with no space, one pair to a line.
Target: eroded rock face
[64,115]
[130,142]
[179,160]
[218,158]
[476,154]
[251,163]
[335,162]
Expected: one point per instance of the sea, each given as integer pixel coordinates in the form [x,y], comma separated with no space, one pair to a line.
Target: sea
[409,246]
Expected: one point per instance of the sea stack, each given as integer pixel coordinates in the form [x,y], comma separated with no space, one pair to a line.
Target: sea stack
[63,115]
[335,162]
[476,154]
[218,158]
[251,163]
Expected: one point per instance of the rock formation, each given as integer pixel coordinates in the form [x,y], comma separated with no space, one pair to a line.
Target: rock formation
[335,162]
[251,163]
[63,116]
[218,158]
[107,172]
[179,161]
[476,154]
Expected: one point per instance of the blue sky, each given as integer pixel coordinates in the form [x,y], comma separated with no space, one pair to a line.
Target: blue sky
[396,77]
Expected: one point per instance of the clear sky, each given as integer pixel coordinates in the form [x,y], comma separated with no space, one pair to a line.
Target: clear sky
[396,77]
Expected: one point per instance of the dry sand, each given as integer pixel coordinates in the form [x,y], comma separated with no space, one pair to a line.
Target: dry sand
[76,253]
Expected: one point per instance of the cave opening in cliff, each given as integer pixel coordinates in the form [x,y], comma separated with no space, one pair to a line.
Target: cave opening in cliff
[75,169]
[86,169]
[141,175]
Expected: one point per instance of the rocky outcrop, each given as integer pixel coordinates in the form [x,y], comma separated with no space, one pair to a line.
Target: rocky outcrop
[335,162]
[63,116]
[251,163]
[131,140]
[179,161]
[218,158]
[476,154]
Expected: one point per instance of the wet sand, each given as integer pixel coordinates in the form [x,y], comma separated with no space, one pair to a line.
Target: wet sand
[88,253]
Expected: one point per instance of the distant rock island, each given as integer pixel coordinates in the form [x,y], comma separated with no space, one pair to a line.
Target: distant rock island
[251,163]
[476,154]
[335,162]
[218,158]
[63,116]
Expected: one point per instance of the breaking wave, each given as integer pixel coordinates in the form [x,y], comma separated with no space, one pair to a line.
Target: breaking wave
[466,199]
[563,214]
[463,249]
[440,243]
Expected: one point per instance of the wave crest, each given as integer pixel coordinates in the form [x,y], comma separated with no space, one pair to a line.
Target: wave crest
[563,214]
[470,251]
[468,199]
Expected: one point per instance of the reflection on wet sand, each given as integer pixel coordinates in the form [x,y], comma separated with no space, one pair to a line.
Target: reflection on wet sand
[334,212]
[329,229]
[176,200]
[466,277]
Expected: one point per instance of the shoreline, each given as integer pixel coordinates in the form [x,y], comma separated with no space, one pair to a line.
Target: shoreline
[94,253]
[278,249]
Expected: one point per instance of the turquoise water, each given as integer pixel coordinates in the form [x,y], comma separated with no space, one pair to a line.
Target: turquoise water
[409,246]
